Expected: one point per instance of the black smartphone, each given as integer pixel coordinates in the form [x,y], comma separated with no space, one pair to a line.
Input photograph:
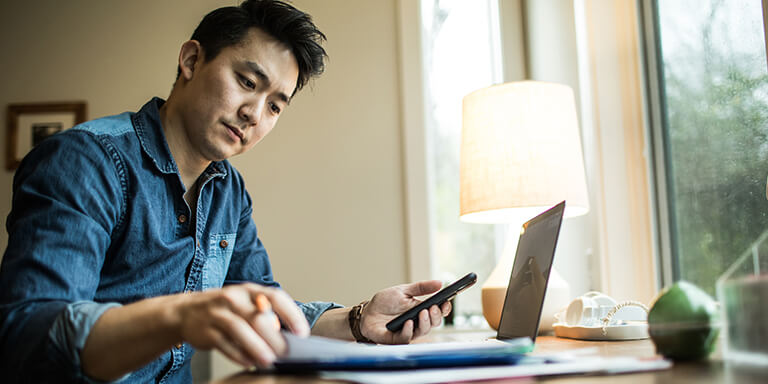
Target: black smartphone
[438,298]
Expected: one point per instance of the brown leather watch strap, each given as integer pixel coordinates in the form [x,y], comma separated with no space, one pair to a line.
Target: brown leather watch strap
[355,317]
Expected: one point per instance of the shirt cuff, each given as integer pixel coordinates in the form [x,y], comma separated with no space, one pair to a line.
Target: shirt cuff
[314,309]
[71,328]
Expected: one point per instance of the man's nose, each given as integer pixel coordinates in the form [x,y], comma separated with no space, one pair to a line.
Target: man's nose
[250,112]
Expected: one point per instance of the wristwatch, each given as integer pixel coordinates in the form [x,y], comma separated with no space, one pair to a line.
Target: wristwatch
[355,317]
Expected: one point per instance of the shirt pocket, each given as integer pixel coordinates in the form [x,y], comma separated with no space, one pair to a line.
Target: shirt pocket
[217,263]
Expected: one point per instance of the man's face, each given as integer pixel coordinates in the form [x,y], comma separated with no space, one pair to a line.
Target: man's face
[231,102]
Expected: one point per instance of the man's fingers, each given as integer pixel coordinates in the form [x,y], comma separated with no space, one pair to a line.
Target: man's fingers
[290,314]
[406,333]
[285,308]
[422,287]
[425,323]
[251,344]
[264,324]
[230,350]
[435,316]
[237,299]
[446,308]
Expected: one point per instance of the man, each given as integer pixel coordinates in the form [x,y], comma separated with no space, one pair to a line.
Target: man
[124,229]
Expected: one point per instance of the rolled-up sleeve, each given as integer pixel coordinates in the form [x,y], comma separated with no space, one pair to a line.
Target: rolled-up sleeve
[71,328]
[67,200]
[314,309]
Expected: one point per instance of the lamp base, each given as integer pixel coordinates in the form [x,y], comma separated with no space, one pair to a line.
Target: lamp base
[557,297]
[493,299]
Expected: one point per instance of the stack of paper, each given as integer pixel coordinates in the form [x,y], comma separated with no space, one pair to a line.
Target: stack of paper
[444,362]
[584,365]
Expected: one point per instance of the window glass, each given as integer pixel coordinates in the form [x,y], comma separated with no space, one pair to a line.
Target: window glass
[461,54]
[715,113]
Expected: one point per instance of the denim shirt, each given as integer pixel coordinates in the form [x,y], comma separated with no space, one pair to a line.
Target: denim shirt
[99,220]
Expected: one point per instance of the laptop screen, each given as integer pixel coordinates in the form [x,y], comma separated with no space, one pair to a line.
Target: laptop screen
[530,273]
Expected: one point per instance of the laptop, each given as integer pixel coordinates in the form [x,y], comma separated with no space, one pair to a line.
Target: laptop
[524,301]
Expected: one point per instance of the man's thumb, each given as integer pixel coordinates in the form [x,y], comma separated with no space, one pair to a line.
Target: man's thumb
[421,288]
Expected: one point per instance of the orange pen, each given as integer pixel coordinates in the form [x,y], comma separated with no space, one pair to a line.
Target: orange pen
[263,305]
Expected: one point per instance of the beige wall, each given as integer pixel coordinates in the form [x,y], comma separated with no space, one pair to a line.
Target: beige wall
[327,184]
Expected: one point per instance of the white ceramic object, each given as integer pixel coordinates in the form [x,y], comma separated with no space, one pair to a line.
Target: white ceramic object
[597,316]
[588,309]
[630,331]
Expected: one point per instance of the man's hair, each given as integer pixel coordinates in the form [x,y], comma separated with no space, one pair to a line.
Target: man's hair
[228,26]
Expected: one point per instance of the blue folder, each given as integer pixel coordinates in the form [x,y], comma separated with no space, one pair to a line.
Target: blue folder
[388,358]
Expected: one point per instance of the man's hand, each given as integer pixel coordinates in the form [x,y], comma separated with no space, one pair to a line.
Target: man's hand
[227,319]
[230,320]
[391,302]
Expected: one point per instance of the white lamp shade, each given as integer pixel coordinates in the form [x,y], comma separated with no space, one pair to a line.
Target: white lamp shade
[520,153]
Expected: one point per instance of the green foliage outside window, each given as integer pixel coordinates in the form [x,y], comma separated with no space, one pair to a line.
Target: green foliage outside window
[716,132]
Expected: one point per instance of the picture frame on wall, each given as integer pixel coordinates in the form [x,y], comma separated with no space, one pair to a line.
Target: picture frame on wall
[29,124]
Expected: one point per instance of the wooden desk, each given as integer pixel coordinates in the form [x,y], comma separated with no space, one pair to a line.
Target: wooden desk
[709,371]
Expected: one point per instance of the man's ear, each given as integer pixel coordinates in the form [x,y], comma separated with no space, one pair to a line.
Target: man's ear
[191,52]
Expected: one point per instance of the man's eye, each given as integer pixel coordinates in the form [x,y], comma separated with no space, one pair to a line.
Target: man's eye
[247,83]
[275,108]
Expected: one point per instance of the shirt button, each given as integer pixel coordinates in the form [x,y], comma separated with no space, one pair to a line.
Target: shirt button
[223,244]
[182,218]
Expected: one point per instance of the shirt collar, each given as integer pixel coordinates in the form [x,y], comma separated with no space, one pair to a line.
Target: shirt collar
[150,132]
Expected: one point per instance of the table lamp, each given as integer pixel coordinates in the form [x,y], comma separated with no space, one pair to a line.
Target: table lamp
[520,155]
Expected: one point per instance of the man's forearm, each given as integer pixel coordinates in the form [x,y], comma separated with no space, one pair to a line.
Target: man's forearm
[126,338]
[334,323]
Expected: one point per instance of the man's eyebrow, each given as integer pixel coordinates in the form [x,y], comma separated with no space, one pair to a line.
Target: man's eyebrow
[259,72]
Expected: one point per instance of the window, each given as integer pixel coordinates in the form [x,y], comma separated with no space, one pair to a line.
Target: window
[463,37]
[713,134]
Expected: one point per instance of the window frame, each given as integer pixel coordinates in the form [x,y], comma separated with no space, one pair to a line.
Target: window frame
[664,213]
[615,139]
[414,138]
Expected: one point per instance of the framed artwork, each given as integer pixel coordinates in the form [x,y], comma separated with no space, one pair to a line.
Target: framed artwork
[29,124]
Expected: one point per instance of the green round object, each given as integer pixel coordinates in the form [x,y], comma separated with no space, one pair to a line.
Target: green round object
[683,322]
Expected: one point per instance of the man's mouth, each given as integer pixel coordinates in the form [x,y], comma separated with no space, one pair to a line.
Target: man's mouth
[234,130]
